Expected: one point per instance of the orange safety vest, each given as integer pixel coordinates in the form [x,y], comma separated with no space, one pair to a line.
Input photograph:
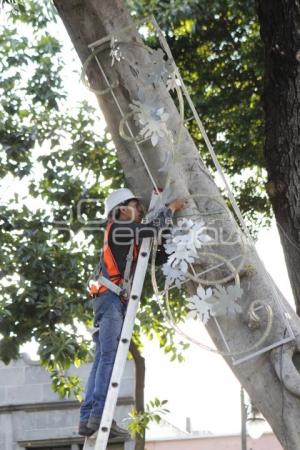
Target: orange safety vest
[95,287]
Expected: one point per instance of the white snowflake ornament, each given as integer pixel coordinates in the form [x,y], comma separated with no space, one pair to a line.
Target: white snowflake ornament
[186,238]
[149,113]
[226,300]
[172,275]
[193,233]
[158,68]
[200,236]
[181,257]
[200,305]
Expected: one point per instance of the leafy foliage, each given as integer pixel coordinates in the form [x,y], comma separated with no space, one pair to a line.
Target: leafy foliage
[50,156]
[56,170]
[66,385]
[18,4]
[140,421]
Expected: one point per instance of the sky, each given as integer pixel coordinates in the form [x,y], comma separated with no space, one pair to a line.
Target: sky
[202,387]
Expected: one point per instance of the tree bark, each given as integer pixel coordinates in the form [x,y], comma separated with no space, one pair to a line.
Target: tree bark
[280,31]
[271,379]
[140,371]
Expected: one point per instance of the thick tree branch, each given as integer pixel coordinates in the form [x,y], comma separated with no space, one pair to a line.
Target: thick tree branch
[280,24]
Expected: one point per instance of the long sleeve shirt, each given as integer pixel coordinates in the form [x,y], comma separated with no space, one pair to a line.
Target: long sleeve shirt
[122,234]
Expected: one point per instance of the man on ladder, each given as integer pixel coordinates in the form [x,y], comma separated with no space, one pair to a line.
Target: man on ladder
[110,293]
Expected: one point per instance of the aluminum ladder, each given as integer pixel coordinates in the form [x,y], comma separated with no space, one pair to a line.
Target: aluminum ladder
[99,440]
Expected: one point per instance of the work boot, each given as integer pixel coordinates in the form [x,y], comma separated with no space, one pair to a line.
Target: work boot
[94,423]
[116,431]
[83,429]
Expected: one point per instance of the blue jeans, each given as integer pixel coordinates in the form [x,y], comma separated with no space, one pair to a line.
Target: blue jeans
[109,315]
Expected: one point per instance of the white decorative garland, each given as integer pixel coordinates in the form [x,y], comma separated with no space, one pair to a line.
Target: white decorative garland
[185,240]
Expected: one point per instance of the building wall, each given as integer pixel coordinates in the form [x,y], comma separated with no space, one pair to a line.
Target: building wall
[33,416]
[266,442]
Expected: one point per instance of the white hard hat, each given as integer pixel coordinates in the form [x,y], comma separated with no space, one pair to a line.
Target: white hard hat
[117,198]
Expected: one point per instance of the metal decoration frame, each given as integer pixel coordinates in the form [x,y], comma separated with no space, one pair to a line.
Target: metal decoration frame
[150,120]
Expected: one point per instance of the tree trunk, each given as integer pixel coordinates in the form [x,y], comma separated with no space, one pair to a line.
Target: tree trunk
[140,370]
[271,379]
[280,31]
